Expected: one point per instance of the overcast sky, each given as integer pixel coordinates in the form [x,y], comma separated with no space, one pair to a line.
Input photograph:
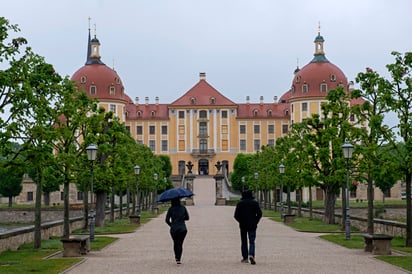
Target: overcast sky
[247,48]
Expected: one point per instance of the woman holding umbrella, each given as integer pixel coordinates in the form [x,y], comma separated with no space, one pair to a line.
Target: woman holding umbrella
[176,217]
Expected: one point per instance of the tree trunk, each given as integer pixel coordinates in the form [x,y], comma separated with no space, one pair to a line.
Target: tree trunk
[330,201]
[112,205]
[127,201]
[100,208]
[37,212]
[85,209]
[10,201]
[370,228]
[66,221]
[288,200]
[408,210]
[121,204]
[310,203]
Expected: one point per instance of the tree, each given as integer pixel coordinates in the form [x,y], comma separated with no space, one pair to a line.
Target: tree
[372,110]
[327,133]
[399,98]
[10,182]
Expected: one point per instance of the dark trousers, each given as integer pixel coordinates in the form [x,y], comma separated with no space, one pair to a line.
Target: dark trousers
[178,238]
[244,233]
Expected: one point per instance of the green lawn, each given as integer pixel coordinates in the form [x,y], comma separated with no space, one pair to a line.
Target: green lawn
[48,259]
[29,260]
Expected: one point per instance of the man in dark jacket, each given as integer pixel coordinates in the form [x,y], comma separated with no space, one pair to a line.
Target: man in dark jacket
[248,214]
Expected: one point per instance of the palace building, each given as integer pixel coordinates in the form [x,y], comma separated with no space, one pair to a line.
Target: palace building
[202,125]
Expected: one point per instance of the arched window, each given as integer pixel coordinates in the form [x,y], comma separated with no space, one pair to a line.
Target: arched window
[203,114]
[93,90]
[323,87]
[255,112]
[111,90]
[192,100]
[305,88]
[83,79]
[270,113]
[212,100]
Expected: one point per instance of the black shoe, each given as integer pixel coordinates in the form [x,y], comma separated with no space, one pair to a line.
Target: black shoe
[246,261]
[252,260]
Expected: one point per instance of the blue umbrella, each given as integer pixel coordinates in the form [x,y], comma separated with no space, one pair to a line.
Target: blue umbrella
[172,193]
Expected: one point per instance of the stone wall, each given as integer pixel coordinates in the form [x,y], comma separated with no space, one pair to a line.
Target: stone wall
[12,239]
[381,226]
[16,215]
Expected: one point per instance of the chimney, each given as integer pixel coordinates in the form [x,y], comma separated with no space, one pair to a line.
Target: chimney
[261,100]
[202,76]
[275,98]
[136,100]
[146,100]
[157,100]
[247,100]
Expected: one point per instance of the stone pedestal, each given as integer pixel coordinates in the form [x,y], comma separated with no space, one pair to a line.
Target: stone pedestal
[189,185]
[134,219]
[220,200]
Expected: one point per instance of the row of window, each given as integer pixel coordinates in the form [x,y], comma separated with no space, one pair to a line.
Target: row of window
[111,90]
[30,196]
[332,78]
[203,129]
[202,114]
[305,88]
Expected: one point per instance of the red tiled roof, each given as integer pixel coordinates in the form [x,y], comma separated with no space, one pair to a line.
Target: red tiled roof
[262,111]
[147,111]
[202,94]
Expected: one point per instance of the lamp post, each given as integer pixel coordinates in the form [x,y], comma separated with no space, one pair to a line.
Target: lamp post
[347,150]
[243,183]
[155,176]
[137,172]
[256,186]
[91,151]
[281,171]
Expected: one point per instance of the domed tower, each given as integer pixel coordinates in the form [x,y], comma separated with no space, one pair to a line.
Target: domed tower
[312,82]
[101,82]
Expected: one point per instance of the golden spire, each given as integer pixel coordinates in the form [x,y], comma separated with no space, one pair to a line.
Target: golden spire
[319,28]
[89,21]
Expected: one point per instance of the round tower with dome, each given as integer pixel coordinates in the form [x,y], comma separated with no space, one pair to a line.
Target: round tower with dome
[311,84]
[101,82]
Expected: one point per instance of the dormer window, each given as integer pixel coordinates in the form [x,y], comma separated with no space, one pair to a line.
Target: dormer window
[255,112]
[269,112]
[305,88]
[111,90]
[212,100]
[192,100]
[117,80]
[323,87]
[332,77]
[139,114]
[92,90]
[153,113]
[298,79]
[293,89]
[83,79]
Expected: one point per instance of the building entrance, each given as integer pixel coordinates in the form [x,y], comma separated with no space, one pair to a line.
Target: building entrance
[203,167]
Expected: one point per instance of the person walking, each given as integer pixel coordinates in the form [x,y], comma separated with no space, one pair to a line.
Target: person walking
[176,217]
[248,215]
